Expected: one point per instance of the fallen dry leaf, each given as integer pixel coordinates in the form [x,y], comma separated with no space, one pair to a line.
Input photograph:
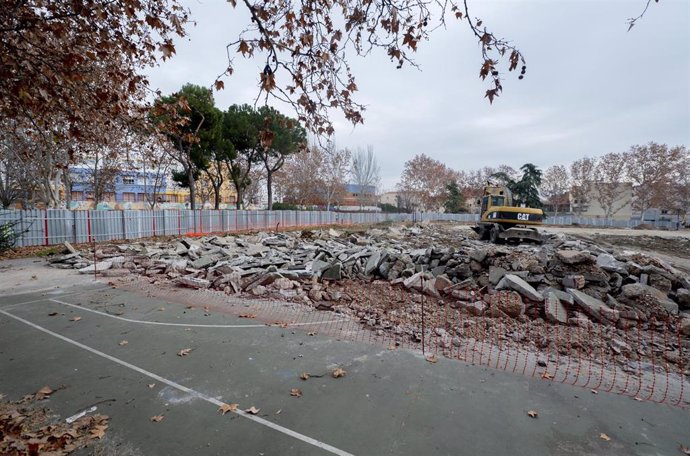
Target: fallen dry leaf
[122,343]
[52,314]
[253,410]
[190,306]
[296,392]
[683,449]
[46,391]
[184,352]
[547,376]
[594,391]
[338,372]
[431,358]
[157,418]
[603,436]
[161,309]
[75,318]
[281,324]
[225,408]
[311,333]
[532,414]
[98,431]
[392,347]
[304,376]
[247,315]
[151,385]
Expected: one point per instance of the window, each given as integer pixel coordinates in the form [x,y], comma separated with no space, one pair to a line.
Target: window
[77,196]
[128,180]
[129,197]
[141,196]
[108,196]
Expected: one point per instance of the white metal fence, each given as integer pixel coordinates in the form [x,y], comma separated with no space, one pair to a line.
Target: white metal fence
[54,226]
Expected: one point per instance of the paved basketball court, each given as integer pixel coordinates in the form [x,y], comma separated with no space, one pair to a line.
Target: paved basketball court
[390,402]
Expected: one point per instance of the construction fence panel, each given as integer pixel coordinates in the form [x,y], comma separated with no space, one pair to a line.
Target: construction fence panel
[54,226]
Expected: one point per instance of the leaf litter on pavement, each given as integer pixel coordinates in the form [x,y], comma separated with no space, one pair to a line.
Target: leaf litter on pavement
[27,428]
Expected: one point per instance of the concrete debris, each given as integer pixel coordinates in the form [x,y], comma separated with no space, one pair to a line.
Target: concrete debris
[513,282]
[554,310]
[383,275]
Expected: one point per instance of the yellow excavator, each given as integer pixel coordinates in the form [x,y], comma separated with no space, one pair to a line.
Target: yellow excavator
[502,222]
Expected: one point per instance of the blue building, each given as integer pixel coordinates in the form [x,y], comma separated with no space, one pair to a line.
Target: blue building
[130,186]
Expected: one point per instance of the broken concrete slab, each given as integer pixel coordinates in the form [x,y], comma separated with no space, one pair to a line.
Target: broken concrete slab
[334,272]
[513,282]
[574,281]
[573,256]
[496,273]
[70,248]
[204,262]
[372,263]
[100,266]
[562,295]
[683,298]
[193,282]
[608,262]
[592,306]
[554,310]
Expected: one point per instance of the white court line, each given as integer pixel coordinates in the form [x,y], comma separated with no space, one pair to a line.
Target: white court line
[44,298]
[214,401]
[184,325]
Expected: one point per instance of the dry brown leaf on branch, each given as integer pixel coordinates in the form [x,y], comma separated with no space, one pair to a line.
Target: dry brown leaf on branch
[122,343]
[225,408]
[304,376]
[75,319]
[184,352]
[431,358]
[296,392]
[603,436]
[157,418]
[338,372]
[532,414]
[252,410]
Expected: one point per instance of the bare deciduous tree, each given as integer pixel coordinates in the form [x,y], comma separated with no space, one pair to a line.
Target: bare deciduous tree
[609,186]
[365,173]
[555,185]
[653,169]
[582,177]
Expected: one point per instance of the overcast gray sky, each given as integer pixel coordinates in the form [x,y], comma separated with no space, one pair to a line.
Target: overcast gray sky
[591,87]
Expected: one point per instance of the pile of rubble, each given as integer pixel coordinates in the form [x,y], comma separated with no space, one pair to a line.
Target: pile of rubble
[566,281]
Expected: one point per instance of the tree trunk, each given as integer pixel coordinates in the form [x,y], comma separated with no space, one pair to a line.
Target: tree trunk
[67,183]
[216,197]
[240,193]
[269,188]
[192,188]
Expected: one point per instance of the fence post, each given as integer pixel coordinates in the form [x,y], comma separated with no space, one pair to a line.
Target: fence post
[124,226]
